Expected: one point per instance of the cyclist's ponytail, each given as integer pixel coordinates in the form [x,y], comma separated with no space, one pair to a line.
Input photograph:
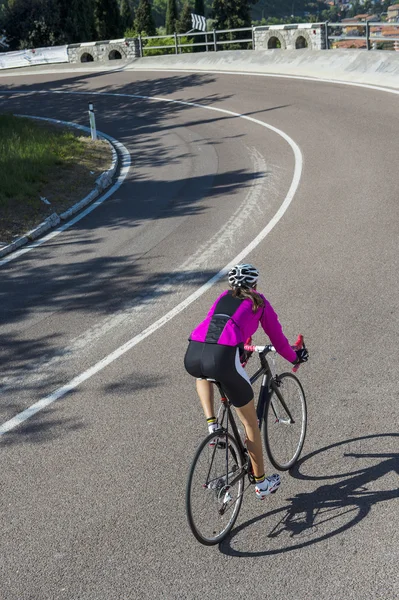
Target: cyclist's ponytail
[242,292]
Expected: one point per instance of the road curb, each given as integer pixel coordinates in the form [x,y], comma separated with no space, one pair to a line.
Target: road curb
[102,183]
[51,221]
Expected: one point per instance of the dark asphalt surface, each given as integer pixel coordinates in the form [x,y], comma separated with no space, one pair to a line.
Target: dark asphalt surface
[92,488]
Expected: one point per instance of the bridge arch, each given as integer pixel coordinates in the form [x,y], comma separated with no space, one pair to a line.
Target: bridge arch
[301,39]
[274,39]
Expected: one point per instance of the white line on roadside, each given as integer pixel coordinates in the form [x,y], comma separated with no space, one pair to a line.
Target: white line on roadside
[76,381]
[103,71]
[256,199]
[368,86]
[125,166]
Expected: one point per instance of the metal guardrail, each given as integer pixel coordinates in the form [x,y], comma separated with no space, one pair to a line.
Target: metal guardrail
[211,43]
[370,37]
[216,40]
[212,39]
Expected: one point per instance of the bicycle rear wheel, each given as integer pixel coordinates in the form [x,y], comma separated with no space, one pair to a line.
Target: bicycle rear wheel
[212,502]
[285,422]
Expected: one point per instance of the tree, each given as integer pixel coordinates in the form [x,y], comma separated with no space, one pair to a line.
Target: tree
[159,9]
[364,8]
[266,9]
[333,14]
[144,22]
[232,14]
[126,16]
[77,21]
[287,9]
[40,35]
[159,12]
[184,23]
[171,17]
[199,8]
[107,18]
[33,23]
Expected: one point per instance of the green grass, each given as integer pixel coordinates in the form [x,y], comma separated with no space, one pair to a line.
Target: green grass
[29,153]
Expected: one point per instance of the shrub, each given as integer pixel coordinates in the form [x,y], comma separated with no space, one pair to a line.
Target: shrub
[166,41]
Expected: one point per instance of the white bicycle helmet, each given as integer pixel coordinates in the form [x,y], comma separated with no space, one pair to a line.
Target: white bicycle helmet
[243,276]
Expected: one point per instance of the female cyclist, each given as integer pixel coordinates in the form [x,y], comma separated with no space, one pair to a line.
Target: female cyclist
[214,352]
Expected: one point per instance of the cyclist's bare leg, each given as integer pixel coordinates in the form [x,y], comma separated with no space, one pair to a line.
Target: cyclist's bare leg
[205,393]
[249,419]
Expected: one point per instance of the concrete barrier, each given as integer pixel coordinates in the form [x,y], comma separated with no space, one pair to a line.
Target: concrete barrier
[380,68]
[376,68]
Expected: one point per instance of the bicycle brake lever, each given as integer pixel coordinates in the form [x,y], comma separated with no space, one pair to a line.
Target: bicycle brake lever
[299,342]
[297,346]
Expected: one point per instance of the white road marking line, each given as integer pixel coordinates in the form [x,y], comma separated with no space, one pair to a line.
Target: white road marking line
[222,240]
[76,381]
[125,166]
[369,86]
[227,233]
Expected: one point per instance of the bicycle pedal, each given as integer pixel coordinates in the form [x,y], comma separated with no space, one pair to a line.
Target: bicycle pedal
[220,445]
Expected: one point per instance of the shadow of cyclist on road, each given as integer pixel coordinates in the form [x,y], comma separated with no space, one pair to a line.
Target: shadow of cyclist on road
[330,509]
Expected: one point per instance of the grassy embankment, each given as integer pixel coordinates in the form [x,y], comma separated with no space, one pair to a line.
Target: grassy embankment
[41,160]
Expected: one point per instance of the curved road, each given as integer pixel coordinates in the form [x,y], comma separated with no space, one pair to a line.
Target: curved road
[92,501]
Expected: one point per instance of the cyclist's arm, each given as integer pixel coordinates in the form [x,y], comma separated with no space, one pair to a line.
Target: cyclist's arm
[272,327]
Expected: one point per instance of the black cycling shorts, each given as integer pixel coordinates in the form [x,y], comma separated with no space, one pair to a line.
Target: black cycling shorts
[222,363]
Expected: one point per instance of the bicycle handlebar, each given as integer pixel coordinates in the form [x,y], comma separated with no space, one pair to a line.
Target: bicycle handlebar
[270,348]
[260,349]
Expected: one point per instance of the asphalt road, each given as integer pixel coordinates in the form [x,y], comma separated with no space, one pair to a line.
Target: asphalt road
[92,487]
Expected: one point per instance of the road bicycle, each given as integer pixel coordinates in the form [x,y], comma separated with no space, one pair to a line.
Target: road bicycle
[215,485]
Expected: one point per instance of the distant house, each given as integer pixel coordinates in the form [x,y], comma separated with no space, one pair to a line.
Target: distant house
[367,17]
[383,37]
[355,25]
[393,13]
[385,31]
[344,44]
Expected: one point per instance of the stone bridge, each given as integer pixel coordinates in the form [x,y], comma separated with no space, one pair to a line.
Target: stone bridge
[286,37]
[122,49]
[291,37]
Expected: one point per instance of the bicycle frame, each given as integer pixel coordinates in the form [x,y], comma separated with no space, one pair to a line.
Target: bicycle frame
[270,384]
[230,420]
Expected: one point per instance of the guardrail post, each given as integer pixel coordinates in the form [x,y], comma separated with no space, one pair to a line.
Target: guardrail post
[215,45]
[140,47]
[176,44]
[367,35]
[253,37]
[92,119]
[326,34]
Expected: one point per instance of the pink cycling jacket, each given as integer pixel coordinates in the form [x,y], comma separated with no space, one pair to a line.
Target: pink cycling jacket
[231,321]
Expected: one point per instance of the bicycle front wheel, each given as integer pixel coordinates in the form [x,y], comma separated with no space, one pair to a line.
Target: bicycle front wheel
[285,422]
[215,488]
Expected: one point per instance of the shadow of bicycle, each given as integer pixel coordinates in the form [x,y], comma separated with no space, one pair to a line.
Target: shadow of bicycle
[342,501]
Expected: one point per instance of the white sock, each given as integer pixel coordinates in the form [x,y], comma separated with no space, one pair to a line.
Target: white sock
[213,425]
[263,483]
